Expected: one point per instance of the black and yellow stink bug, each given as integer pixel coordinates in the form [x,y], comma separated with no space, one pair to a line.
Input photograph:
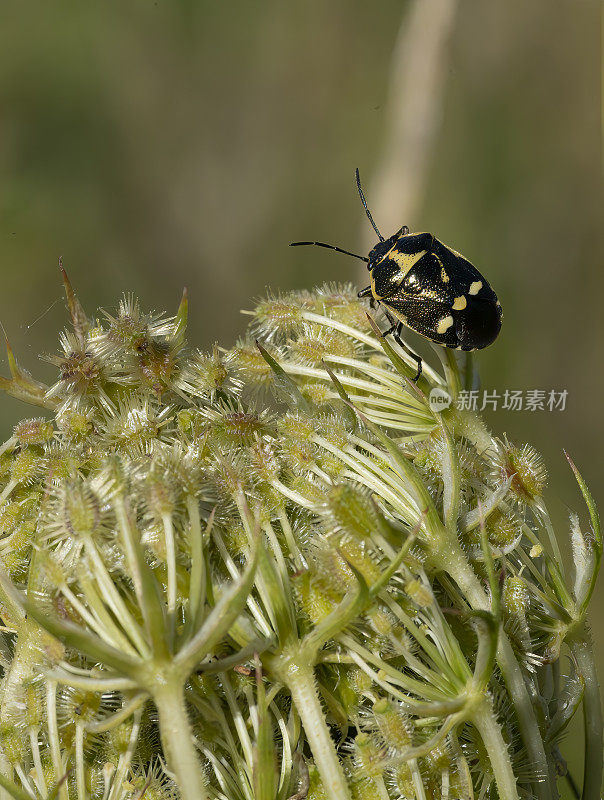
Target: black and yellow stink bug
[430,288]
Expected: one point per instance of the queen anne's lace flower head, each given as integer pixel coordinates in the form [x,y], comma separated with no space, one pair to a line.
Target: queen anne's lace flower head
[275,571]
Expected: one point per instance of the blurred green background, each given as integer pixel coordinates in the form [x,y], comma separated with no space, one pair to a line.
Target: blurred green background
[155,145]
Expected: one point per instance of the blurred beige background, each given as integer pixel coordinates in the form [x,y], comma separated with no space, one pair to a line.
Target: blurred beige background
[160,144]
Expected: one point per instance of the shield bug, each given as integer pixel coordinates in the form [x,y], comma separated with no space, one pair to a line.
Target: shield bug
[429,287]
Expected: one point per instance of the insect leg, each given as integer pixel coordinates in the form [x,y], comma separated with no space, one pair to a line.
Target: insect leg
[396,328]
[367,293]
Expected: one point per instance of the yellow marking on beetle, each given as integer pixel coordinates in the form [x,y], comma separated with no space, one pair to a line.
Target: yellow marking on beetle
[404,261]
[443,272]
[459,303]
[475,287]
[373,292]
[444,324]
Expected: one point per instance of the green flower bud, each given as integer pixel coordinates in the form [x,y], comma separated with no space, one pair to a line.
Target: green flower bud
[516,597]
[525,466]
[81,511]
[34,431]
[394,726]
[27,466]
[351,511]
[319,344]
[12,744]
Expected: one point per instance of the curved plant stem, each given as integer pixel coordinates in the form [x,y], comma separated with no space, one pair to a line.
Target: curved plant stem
[196,588]
[545,789]
[177,742]
[592,716]
[459,569]
[53,737]
[171,571]
[490,733]
[301,683]
[13,790]
[79,759]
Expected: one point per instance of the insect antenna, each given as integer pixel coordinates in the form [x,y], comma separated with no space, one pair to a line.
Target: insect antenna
[330,247]
[364,202]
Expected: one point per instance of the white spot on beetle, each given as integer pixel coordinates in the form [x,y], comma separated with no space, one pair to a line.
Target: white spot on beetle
[444,324]
[459,303]
[475,287]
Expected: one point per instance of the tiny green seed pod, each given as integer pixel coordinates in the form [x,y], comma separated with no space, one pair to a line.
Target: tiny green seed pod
[34,431]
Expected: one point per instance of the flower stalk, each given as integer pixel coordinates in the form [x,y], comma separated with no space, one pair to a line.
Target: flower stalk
[177,741]
[301,682]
